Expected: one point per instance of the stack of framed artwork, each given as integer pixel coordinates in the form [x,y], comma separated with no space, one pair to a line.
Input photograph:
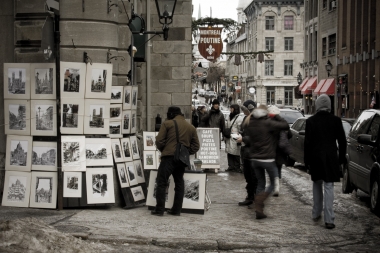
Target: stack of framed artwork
[151,155]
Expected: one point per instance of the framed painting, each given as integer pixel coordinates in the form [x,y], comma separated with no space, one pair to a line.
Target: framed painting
[97,116]
[133,122]
[72,184]
[117,94]
[99,80]
[139,171]
[73,153]
[16,189]
[43,118]
[150,162]
[116,150]
[73,77]
[122,174]
[100,185]
[126,122]
[98,152]
[43,82]
[19,153]
[135,147]
[115,129]
[115,112]
[43,192]
[137,193]
[44,156]
[16,80]
[126,149]
[72,112]
[151,195]
[127,98]
[158,158]
[131,173]
[17,117]
[135,90]
[149,140]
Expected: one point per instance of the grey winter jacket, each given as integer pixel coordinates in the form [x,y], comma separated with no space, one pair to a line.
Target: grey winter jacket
[214,119]
[231,145]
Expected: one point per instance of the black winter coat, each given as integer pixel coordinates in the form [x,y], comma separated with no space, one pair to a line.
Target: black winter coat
[323,130]
[214,119]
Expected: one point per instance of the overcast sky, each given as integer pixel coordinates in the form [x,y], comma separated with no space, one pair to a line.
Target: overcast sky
[220,9]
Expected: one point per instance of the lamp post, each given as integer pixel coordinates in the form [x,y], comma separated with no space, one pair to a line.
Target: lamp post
[299,78]
[165,9]
[328,67]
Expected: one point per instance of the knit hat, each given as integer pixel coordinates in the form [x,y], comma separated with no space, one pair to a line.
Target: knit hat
[323,103]
[273,110]
[248,106]
[215,102]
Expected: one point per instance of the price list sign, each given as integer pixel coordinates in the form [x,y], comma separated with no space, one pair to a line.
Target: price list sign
[209,151]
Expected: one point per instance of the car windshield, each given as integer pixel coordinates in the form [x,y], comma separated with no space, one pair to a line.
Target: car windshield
[291,116]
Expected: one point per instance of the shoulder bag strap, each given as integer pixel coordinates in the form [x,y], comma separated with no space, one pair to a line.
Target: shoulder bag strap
[234,121]
[176,130]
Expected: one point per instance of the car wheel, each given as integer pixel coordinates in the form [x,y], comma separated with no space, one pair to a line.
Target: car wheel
[374,195]
[346,182]
[289,161]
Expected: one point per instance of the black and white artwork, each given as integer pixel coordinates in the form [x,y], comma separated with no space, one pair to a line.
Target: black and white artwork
[126,122]
[98,81]
[17,80]
[70,115]
[44,189]
[44,156]
[126,149]
[98,120]
[100,185]
[19,153]
[134,97]
[43,81]
[150,162]
[135,148]
[43,118]
[139,171]
[117,94]
[73,153]
[131,173]
[115,112]
[17,117]
[117,151]
[127,98]
[115,129]
[123,178]
[133,122]
[98,152]
[149,140]
[96,116]
[73,79]
[191,190]
[72,184]
[152,188]
[137,193]
[72,111]
[16,189]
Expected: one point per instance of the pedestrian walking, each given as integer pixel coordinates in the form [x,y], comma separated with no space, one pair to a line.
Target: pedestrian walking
[201,111]
[233,126]
[261,136]
[214,118]
[166,143]
[323,132]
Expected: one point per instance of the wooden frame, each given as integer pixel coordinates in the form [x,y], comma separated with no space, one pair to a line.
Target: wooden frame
[72,114]
[19,153]
[45,87]
[43,193]
[17,117]
[97,116]
[99,80]
[43,118]
[73,153]
[73,77]
[72,184]
[44,156]
[16,81]
[16,189]
[100,185]
[126,149]
[122,175]
[98,152]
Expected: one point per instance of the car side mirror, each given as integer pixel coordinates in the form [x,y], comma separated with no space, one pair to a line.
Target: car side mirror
[302,132]
[366,139]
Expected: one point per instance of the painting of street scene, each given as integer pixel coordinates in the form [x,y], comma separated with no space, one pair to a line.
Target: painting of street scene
[70,115]
[137,193]
[115,94]
[16,80]
[71,152]
[98,80]
[44,117]
[19,152]
[96,117]
[99,186]
[44,81]
[127,96]
[96,151]
[72,183]
[71,80]
[17,117]
[114,128]
[191,190]
[44,156]
[16,188]
[44,190]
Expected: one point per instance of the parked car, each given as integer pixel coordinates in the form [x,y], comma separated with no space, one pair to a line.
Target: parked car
[290,115]
[362,170]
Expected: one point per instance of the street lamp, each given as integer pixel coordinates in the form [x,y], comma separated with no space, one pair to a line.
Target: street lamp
[165,9]
[299,78]
[328,67]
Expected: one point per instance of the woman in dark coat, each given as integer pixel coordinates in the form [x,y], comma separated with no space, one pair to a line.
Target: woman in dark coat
[323,131]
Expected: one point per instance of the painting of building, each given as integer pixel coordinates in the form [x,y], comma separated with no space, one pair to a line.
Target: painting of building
[96,120]
[98,82]
[16,84]
[71,80]
[16,188]
[19,152]
[44,188]
[70,115]
[44,156]
[44,81]
[44,117]
[17,117]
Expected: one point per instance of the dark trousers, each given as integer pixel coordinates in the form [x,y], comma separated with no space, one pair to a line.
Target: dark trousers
[169,167]
[250,178]
[233,162]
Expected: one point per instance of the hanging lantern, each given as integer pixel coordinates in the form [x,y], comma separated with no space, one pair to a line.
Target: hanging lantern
[237,59]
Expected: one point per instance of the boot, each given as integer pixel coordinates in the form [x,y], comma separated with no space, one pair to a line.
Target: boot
[259,205]
[246,202]
[276,190]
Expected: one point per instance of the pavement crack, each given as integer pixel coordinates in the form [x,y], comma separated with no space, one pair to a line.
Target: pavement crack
[63,219]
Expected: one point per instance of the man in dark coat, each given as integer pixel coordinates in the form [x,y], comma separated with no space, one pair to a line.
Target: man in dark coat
[214,118]
[323,131]
[166,143]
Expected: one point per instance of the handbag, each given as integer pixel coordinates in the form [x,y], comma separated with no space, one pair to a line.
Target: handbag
[227,131]
[181,152]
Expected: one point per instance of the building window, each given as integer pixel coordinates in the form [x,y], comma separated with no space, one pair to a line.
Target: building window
[332,43]
[269,67]
[332,5]
[269,44]
[288,22]
[288,43]
[288,67]
[271,94]
[324,46]
[269,23]
[324,4]
[289,96]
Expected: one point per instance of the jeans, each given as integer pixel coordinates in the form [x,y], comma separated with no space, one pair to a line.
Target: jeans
[260,168]
[326,198]
[250,178]
[233,162]
[169,167]
[279,168]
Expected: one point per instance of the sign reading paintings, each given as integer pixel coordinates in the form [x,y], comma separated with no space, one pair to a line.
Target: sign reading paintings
[210,43]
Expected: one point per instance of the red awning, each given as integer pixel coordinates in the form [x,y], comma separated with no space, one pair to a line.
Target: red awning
[311,84]
[328,88]
[319,86]
[303,83]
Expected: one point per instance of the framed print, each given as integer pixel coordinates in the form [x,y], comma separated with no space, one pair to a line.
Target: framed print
[43,118]
[98,152]
[99,80]
[126,122]
[117,94]
[100,185]
[16,81]
[115,129]
[19,153]
[126,149]
[73,153]
[16,189]
[135,148]
[151,195]
[116,150]
[72,112]
[43,192]
[139,171]
[44,156]
[150,162]
[115,112]
[127,98]
[131,173]
[158,158]
[134,97]
[43,82]
[17,117]
[97,116]
[122,175]
[73,77]
[133,122]
[149,140]
[72,184]
[137,193]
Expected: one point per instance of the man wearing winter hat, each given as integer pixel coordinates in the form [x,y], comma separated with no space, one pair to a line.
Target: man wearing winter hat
[166,143]
[215,118]
[323,131]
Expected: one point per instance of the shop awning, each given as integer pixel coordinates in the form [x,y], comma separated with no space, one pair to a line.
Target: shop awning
[329,87]
[303,83]
[310,85]
[319,86]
